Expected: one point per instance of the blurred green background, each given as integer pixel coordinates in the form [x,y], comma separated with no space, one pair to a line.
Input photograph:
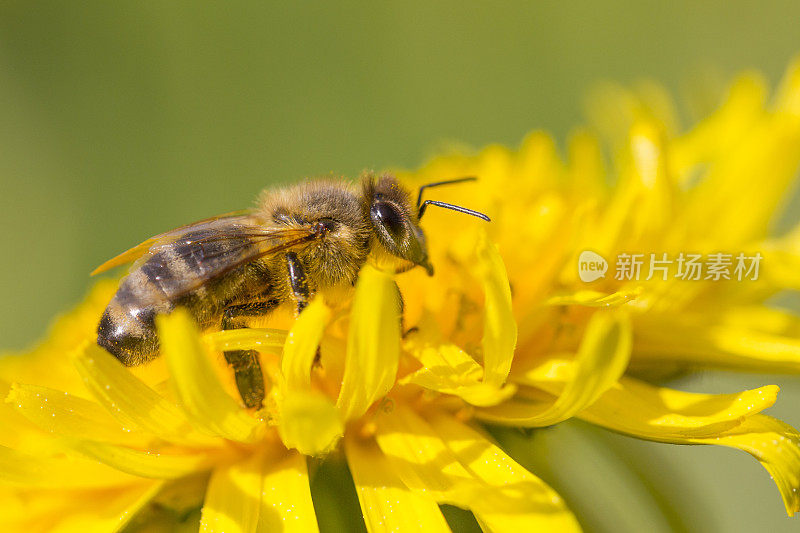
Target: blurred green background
[120,120]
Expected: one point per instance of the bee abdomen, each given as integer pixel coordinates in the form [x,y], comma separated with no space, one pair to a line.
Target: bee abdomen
[175,276]
[132,346]
[127,327]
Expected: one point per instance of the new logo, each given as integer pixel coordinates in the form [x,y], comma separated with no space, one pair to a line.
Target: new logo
[591,266]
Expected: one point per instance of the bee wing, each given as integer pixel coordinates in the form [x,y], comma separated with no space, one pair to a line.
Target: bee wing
[180,266]
[243,216]
[185,259]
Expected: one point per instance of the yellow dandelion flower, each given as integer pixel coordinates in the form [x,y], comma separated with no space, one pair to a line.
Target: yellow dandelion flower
[528,322]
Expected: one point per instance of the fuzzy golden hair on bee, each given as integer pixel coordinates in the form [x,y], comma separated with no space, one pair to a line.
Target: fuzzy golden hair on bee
[341,252]
[300,241]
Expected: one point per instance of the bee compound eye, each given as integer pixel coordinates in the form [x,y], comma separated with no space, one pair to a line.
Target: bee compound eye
[387,216]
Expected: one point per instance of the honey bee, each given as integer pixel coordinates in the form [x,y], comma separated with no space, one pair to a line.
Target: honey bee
[298,241]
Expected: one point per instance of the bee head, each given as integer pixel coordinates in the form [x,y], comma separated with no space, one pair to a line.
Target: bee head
[395,222]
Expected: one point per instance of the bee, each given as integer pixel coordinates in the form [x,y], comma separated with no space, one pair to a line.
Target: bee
[308,238]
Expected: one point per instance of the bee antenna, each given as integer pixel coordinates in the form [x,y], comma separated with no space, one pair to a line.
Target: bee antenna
[453,207]
[437,184]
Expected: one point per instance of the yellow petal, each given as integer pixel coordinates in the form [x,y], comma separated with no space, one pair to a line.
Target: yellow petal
[666,415]
[454,464]
[787,99]
[422,460]
[492,466]
[196,383]
[286,498]
[245,339]
[233,497]
[387,505]
[776,446]
[309,422]
[130,400]
[24,469]
[595,298]
[142,463]
[634,407]
[611,109]
[759,318]
[446,358]
[69,416]
[601,360]
[449,370]
[586,166]
[658,413]
[373,346]
[480,394]
[704,343]
[722,131]
[655,191]
[658,101]
[722,203]
[784,266]
[109,509]
[16,431]
[302,343]
[111,512]
[499,326]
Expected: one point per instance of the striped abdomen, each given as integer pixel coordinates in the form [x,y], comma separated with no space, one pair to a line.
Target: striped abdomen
[184,273]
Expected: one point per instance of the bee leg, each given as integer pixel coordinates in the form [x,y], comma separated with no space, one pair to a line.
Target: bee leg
[401,308]
[245,363]
[300,290]
[298,281]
